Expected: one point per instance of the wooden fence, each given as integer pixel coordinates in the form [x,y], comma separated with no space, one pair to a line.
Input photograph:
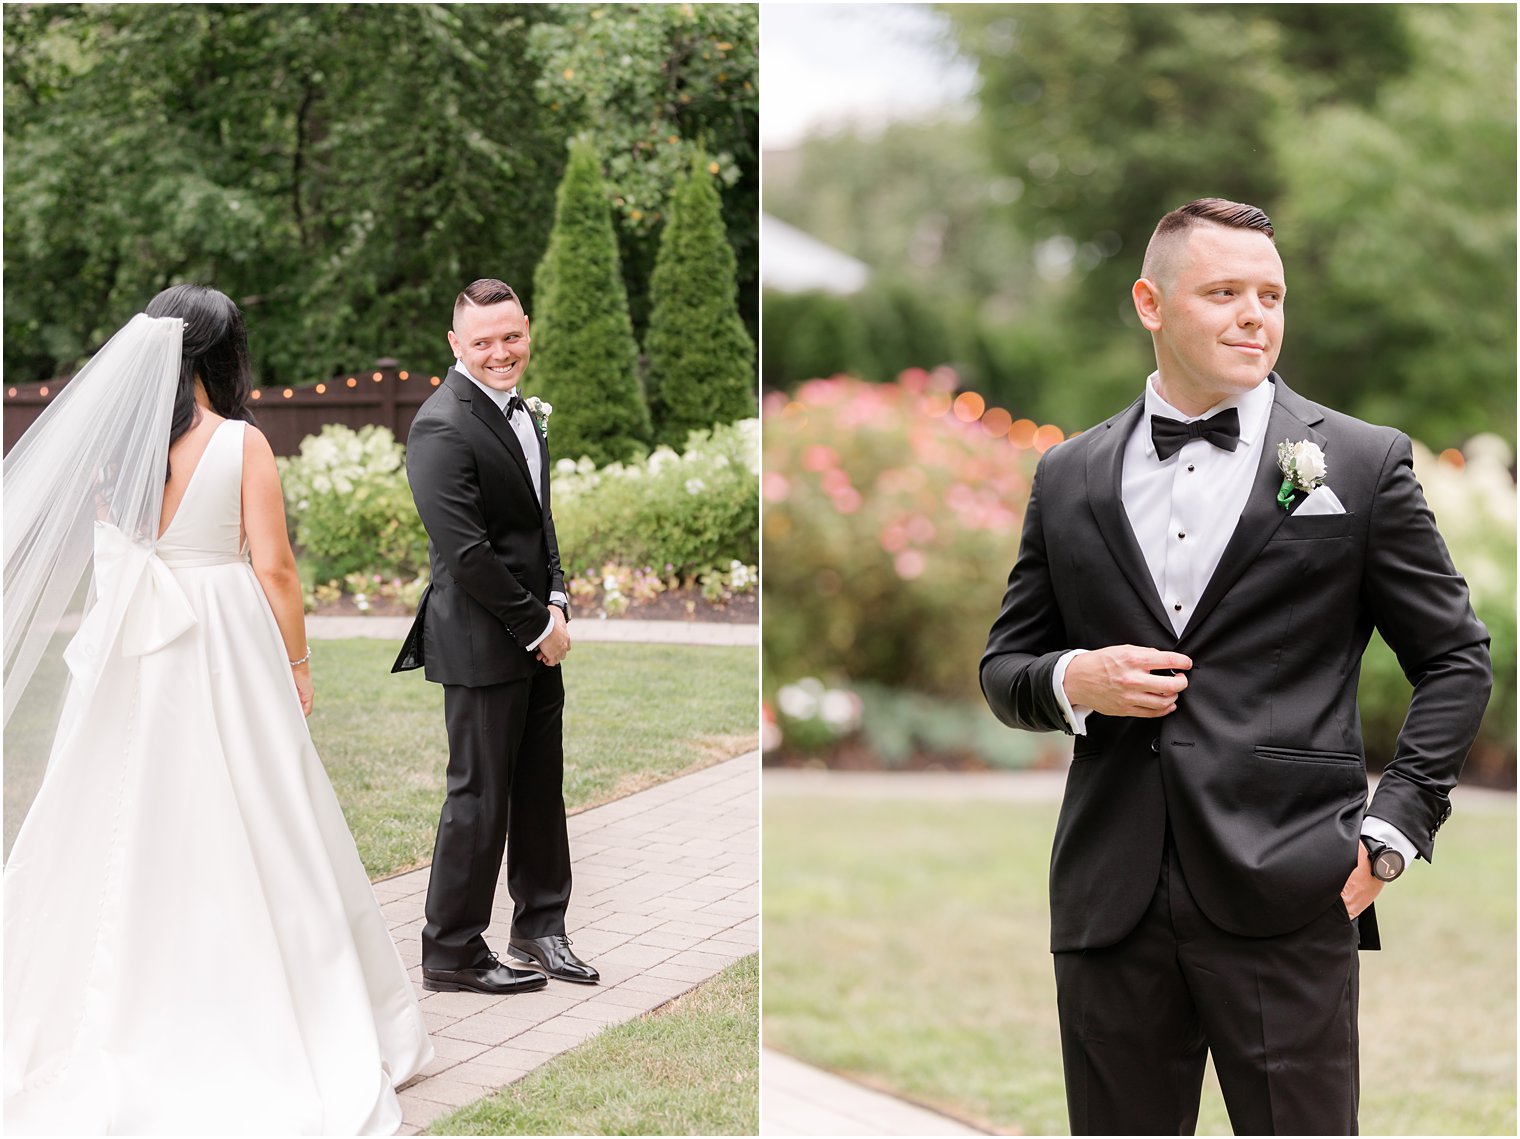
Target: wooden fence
[386,395]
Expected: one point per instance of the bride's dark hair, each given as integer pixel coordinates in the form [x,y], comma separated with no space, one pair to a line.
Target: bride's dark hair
[215,348]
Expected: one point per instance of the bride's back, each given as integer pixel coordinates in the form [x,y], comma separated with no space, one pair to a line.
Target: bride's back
[202,514]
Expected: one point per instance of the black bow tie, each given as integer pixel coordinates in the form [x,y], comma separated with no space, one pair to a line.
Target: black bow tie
[515,404]
[1222,430]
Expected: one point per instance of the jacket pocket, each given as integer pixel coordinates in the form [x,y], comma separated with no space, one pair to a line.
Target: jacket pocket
[1294,528]
[1309,755]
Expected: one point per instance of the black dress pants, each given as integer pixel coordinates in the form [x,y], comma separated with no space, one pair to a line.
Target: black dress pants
[1278,1013]
[505,791]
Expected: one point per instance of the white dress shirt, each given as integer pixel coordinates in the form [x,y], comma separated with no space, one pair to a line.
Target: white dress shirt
[527,434]
[1183,511]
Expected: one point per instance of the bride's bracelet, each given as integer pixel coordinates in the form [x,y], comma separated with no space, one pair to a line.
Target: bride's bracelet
[303,660]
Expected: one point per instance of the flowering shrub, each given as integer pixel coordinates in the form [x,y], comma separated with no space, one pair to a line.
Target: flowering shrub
[349,505]
[614,588]
[617,586]
[696,514]
[891,523]
[369,592]
[688,511]
[814,713]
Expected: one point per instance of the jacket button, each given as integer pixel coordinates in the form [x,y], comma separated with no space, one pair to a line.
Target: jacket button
[1156,746]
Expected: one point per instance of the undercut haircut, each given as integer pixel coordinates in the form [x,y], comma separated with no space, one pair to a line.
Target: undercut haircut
[1175,226]
[484,292]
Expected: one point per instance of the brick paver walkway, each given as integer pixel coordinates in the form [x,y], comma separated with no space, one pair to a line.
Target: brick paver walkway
[798,1099]
[666,894]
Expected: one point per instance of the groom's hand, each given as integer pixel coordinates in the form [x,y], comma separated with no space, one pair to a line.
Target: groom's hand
[1361,889]
[552,649]
[1122,680]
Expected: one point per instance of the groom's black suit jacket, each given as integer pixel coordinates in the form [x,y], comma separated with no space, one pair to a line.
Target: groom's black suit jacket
[491,543]
[1259,771]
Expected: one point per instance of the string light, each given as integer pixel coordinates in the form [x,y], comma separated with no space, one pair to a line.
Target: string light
[996,422]
[324,388]
[969,407]
[1047,437]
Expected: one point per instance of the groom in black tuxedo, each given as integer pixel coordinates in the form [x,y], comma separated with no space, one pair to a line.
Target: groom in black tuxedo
[492,629]
[1199,625]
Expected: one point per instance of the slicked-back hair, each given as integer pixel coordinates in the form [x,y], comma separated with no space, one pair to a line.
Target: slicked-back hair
[214,348]
[1203,211]
[479,294]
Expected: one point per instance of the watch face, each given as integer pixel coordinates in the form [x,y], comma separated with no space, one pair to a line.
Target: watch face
[1388,865]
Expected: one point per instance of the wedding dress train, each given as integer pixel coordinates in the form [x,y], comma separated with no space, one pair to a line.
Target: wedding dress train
[191,942]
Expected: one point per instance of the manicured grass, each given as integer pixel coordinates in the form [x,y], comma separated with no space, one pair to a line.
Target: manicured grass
[907,944]
[635,715]
[688,1068]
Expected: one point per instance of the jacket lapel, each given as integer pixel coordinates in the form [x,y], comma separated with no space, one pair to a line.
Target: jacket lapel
[1292,417]
[485,410]
[1105,473]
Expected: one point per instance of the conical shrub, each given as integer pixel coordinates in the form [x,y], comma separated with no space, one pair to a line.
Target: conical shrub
[701,358]
[585,359]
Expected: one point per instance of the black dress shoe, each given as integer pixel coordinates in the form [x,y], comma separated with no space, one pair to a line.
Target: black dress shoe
[552,955]
[491,977]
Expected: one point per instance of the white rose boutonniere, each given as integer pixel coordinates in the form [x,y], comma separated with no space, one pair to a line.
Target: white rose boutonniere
[540,411]
[1303,467]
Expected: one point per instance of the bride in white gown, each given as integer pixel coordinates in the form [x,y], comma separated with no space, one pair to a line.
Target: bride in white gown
[191,942]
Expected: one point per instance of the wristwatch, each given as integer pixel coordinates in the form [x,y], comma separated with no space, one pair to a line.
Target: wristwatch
[1387,863]
[563,607]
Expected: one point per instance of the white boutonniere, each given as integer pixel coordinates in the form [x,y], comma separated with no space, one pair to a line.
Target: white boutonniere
[540,411]
[1303,468]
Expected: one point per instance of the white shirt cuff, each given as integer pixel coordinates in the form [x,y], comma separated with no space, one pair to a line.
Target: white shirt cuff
[556,595]
[547,630]
[1386,832]
[1076,715]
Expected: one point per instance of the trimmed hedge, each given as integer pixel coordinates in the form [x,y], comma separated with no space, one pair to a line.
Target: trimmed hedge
[675,513]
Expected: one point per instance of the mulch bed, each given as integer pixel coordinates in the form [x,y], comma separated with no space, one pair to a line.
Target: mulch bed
[672,605]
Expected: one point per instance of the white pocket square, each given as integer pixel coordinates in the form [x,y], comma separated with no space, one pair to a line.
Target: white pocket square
[1321,501]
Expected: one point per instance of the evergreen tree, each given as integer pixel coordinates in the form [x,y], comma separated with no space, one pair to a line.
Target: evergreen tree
[585,359]
[701,359]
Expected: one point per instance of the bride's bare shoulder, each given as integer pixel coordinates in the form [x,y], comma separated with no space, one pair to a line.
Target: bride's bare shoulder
[256,444]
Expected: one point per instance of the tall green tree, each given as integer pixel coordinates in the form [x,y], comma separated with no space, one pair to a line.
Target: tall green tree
[339,171]
[654,85]
[1380,138]
[701,357]
[585,359]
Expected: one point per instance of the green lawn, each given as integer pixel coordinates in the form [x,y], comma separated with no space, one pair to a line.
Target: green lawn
[688,1068]
[635,715]
[907,943]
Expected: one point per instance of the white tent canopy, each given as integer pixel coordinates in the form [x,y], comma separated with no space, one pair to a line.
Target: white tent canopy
[794,262]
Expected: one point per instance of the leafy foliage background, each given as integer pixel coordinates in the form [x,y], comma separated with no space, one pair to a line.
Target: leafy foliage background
[343,170]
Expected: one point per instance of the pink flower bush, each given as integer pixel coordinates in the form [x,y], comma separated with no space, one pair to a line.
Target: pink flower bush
[892,516]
